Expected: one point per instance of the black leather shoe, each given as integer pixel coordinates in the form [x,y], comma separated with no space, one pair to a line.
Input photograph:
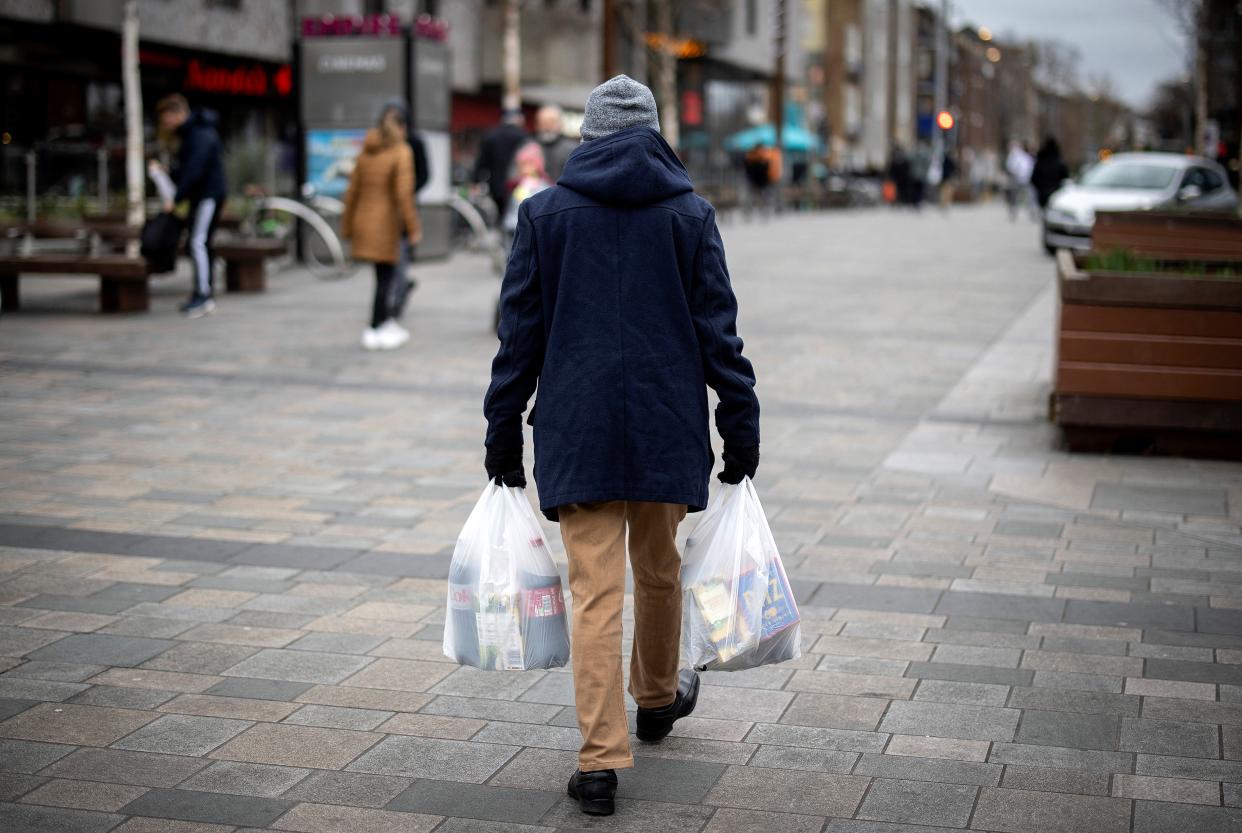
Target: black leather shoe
[594,791]
[655,724]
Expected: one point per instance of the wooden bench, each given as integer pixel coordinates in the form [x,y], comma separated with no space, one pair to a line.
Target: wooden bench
[122,280]
[244,261]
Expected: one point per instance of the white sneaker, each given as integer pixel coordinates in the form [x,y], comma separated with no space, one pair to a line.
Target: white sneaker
[371,339]
[392,335]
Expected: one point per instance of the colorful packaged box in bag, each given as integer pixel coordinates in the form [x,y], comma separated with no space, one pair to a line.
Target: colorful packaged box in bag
[734,650]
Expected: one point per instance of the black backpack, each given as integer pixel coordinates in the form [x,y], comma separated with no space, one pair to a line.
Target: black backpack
[161,237]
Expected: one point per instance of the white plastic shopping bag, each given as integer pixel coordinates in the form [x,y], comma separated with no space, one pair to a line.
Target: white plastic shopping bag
[506,610]
[737,609]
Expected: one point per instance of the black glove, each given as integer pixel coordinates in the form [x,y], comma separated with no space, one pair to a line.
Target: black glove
[504,465]
[739,463]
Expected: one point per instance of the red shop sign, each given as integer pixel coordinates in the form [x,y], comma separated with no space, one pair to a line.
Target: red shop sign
[249,80]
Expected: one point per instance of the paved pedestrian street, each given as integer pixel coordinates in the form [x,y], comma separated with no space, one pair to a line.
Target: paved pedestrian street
[224,542]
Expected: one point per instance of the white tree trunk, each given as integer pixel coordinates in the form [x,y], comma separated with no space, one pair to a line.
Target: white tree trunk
[134,181]
[512,53]
[666,74]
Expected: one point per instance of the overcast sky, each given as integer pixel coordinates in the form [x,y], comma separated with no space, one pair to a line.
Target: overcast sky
[1134,41]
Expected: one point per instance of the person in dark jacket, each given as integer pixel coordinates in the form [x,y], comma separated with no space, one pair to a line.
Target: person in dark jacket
[199,175]
[496,152]
[617,305]
[549,127]
[1049,171]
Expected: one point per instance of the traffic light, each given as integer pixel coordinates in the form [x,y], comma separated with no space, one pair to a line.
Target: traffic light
[944,120]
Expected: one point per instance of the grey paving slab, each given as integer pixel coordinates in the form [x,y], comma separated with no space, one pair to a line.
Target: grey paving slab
[1082,702]
[1170,737]
[906,600]
[929,769]
[672,781]
[28,757]
[1000,606]
[866,826]
[200,657]
[454,798]
[183,734]
[190,805]
[970,673]
[968,693]
[354,789]
[32,819]
[1025,811]
[839,740]
[1177,500]
[142,769]
[298,666]
[1046,779]
[640,817]
[1084,731]
[918,802]
[806,793]
[286,555]
[950,720]
[835,711]
[1130,615]
[13,785]
[238,778]
[796,757]
[1161,817]
[434,758]
[1057,757]
[103,649]
[258,689]
[727,820]
[338,717]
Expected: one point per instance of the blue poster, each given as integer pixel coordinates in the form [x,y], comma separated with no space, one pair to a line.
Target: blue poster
[330,156]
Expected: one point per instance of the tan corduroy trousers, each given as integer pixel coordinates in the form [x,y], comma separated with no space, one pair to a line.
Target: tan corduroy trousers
[595,540]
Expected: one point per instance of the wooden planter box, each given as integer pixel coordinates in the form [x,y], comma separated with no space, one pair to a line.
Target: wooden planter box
[1149,362]
[1171,235]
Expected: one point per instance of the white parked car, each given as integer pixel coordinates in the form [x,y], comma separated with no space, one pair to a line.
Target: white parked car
[1130,182]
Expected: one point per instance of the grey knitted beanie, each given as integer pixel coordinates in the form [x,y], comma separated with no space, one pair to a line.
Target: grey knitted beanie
[616,104]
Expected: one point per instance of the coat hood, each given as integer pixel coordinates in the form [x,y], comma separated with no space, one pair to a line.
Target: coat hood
[375,141]
[631,167]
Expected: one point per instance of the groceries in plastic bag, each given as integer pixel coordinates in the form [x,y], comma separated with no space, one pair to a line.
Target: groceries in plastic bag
[506,610]
[737,609]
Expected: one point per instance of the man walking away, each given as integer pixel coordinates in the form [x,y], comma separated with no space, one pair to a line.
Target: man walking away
[496,152]
[199,175]
[549,127]
[617,304]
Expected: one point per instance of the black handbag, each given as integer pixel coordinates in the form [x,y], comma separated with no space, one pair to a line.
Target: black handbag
[161,237]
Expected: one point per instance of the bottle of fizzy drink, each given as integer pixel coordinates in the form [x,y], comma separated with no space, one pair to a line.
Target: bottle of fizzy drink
[463,607]
[545,636]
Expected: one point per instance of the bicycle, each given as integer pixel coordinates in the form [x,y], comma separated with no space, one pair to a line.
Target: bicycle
[282,218]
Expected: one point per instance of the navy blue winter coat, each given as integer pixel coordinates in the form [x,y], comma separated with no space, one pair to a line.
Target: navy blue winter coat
[199,172]
[617,304]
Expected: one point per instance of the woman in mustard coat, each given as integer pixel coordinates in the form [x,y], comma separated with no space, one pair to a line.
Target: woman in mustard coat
[379,208]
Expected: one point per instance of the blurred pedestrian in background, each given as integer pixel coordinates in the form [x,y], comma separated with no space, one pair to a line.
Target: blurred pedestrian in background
[1049,171]
[644,319]
[762,165]
[549,133]
[496,152]
[199,176]
[379,208]
[1018,167]
[532,177]
[947,180]
[899,174]
[920,168]
[402,283]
